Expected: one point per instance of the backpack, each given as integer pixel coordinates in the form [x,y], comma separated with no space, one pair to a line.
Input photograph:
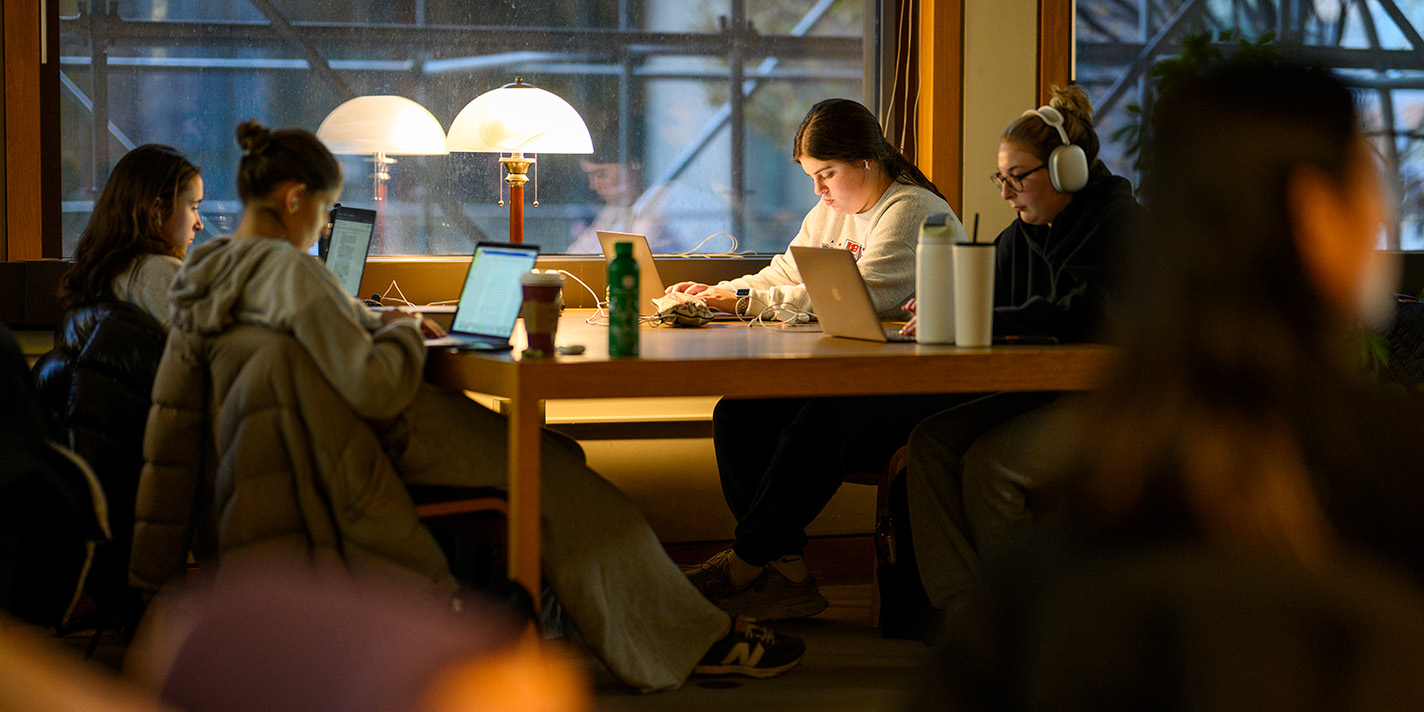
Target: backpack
[96,385]
[52,511]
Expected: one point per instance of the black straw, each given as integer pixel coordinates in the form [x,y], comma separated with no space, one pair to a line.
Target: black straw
[975,237]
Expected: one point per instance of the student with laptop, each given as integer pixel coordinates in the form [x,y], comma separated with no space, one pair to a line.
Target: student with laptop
[781,460]
[974,468]
[630,603]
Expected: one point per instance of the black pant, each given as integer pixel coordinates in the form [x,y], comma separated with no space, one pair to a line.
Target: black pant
[782,459]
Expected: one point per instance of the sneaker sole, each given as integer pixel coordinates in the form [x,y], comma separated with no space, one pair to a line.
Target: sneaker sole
[803,607]
[744,670]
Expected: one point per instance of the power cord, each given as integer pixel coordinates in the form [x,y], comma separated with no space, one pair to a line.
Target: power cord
[780,314]
[600,305]
[731,249]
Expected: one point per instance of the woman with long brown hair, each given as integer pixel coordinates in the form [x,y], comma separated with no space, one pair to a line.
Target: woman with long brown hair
[781,460]
[141,227]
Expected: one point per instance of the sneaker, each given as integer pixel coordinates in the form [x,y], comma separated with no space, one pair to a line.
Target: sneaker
[711,578]
[751,650]
[774,597]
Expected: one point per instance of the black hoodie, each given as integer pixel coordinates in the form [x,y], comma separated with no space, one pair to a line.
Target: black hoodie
[1052,279]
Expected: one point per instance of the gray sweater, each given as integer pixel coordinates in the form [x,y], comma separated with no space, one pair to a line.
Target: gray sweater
[145,283]
[883,239]
[375,368]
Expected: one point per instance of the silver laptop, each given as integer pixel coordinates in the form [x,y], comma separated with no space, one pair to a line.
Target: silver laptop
[839,296]
[349,244]
[650,284]
[490,299]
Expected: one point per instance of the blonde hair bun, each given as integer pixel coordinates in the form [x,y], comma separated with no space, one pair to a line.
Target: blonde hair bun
[1073,99]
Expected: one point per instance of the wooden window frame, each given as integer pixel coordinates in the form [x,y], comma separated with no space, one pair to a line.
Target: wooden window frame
[29,189]
[1055,46]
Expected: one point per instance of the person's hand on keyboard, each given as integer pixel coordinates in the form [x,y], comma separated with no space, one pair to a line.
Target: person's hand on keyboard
[909,328]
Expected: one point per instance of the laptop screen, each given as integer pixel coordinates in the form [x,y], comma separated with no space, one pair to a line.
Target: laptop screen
[490,300]
[351,230]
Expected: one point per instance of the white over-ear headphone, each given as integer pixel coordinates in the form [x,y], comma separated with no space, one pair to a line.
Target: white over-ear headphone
[1067,165]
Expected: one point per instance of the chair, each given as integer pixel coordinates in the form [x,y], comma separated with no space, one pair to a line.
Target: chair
[881,480]
[471,525]
[96,384]
[460,516]
[50,522]
[434,501]
[278,462]
[286,465]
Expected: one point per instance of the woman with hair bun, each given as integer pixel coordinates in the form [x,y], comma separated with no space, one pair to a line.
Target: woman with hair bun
[604,564]
[1049,279]
[973,469]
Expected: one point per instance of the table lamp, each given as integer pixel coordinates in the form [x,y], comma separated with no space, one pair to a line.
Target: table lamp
[382,125]
[520,120]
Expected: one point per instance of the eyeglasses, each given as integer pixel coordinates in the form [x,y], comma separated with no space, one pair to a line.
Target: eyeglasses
[1015,182]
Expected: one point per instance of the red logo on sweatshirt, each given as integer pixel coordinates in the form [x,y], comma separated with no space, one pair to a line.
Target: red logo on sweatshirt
[855,250]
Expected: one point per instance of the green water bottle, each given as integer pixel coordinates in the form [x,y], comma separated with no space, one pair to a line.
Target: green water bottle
[623,301]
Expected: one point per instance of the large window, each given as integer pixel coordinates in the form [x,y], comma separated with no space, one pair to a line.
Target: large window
[1374,45]
[692,105]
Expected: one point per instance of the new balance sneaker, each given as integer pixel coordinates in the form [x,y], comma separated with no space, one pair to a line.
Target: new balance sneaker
[772,596]
[712,578]
[751,650]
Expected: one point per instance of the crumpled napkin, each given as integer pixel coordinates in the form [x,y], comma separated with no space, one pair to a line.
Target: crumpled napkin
[682,309]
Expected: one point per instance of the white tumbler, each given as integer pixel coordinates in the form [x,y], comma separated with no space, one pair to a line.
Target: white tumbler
[973,293]
[934,279]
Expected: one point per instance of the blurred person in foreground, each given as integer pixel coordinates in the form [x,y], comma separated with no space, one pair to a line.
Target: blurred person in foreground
[278,636]
[1239,525]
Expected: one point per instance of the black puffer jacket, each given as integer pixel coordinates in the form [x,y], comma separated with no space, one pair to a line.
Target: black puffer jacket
[96,384]
[50,514]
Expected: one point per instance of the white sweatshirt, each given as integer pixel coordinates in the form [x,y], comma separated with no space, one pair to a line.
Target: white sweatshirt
[883,239]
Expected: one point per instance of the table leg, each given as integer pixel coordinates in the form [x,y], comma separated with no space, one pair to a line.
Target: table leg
[526,425]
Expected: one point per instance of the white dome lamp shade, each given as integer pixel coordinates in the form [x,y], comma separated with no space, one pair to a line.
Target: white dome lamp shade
[518,119]
[382,126]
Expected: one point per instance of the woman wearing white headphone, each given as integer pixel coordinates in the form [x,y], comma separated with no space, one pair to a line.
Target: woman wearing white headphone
[1052,258]
[973,468]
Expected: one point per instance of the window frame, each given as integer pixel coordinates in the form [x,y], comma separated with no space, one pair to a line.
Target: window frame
[928,34]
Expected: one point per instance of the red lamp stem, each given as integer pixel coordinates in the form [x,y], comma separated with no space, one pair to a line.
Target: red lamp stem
[516,214]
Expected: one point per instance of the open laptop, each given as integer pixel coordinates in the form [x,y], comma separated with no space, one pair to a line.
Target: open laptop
[490,299]
[839,296]
[349,244]
[650,284]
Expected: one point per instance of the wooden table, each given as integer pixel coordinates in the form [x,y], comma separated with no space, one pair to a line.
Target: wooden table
[729,359]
